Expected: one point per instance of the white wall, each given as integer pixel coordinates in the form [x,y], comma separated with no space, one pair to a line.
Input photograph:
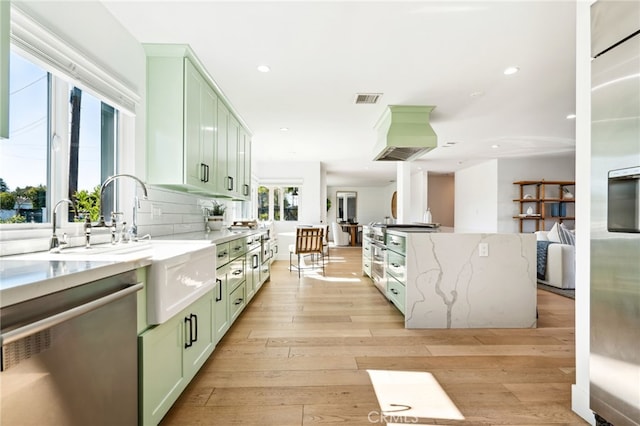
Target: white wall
[476,198]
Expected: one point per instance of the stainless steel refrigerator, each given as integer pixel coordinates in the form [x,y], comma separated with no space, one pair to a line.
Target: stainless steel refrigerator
[615,213]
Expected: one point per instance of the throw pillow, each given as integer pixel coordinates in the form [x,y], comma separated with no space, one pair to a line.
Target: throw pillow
[566,236]
[554,233]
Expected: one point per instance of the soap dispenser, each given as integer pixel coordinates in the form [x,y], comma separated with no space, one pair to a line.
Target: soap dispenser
[427,216]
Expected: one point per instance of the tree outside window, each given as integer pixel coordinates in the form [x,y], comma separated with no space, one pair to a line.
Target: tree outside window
[284,201]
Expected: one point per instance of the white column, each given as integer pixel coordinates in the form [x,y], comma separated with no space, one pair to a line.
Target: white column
[403,178]
[580,390]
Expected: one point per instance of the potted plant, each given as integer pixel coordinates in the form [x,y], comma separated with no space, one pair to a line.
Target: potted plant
[215,216]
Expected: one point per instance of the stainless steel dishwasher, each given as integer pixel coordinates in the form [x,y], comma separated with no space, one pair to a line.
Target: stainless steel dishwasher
[70,358]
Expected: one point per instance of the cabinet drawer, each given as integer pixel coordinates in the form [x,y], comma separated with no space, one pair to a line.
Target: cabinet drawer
[237,302]
[236,274]
[396,293]
[237,248]
[366,266]
[222,254]
[366,248]
[396,266]
[396,243]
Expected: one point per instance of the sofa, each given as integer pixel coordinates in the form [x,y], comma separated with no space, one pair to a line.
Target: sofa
[559,265]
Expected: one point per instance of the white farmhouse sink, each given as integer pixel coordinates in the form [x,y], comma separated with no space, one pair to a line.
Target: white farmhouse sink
[180,273]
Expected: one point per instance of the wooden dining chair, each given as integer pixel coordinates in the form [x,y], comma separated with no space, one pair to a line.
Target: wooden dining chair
[309,242]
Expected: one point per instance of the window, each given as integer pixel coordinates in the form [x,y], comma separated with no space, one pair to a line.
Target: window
[25,155]
[276,204]
[263,203]
[55,169]
[284,201]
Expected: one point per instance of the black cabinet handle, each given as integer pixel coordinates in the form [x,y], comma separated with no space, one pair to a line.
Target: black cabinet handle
[203,172]
[238,301]
[255,261]
[189,341]
[229,183]
[194,326]
[207,175]
[394,291]
[245,189]
[223,254]
[219,295]
[395,265]
[237,272]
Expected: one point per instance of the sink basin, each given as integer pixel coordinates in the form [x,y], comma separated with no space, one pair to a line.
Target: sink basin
[180,273]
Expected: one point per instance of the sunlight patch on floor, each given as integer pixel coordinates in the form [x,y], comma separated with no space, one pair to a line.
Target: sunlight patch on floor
[412,395]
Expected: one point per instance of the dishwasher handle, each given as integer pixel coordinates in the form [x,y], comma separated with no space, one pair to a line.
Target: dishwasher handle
[43,324]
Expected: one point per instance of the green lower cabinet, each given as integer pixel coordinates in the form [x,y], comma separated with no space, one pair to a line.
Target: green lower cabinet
[396,293]
[237,301]
[253,273]
[220,306]
[171,354]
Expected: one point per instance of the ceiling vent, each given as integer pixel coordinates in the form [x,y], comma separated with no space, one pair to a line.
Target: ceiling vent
[367,98]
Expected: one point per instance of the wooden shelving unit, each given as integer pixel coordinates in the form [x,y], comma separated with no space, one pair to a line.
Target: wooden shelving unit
[548,200]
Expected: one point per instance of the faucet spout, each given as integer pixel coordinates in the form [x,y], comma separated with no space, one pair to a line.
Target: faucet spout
[135,208]
[54,243]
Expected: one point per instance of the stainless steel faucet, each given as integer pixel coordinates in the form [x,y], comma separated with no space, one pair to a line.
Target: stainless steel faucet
[55,244]
[134,227]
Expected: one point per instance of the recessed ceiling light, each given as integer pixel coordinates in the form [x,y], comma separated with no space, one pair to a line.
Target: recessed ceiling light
[264,68]
[571,116]
[476,94]
[511,70]
[495,146]
[284,129]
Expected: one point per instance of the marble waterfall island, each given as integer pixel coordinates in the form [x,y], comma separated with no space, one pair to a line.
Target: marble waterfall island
[470,280]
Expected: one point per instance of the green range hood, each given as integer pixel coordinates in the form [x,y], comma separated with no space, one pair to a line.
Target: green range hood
[404,133]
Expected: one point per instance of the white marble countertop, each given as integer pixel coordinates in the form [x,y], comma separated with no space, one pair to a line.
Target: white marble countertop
[216,237]
[23,277]
[31,275]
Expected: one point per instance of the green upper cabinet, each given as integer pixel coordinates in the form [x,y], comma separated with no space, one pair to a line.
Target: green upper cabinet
[5,23]
[233,133]
[192,136]
[222,183]
[244,164]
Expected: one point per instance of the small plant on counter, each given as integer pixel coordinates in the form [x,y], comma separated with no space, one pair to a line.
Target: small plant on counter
[217,208]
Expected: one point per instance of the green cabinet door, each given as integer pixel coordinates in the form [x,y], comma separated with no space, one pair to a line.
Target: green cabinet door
[233,135]
[244,165]
[198,334]
[220,306]
[252,274]
[161,369]
[193,88]
[208,123]
[222,183]
[170,355]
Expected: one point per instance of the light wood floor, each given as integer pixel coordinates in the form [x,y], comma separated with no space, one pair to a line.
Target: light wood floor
[298,355]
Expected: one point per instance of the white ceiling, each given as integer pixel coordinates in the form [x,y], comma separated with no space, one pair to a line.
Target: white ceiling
[445,53]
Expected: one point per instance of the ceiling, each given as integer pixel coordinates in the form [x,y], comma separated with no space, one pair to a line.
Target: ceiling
[321,54]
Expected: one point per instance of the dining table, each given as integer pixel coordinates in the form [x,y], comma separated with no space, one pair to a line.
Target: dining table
[353,229]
